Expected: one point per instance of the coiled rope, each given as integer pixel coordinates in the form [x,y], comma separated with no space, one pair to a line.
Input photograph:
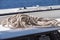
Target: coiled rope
[24,21]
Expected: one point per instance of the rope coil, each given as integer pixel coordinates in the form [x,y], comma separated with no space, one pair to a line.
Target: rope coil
[26,21]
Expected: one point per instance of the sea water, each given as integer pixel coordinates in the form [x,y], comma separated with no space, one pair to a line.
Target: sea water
[25,3]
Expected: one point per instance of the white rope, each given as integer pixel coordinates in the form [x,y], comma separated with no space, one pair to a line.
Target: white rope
[24,21]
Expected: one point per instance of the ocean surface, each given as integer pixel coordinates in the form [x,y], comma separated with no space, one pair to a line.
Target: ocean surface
[26,3]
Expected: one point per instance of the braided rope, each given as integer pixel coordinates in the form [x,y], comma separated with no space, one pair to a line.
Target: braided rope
[24,21]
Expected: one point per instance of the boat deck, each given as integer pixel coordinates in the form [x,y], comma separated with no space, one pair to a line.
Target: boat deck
[18,33]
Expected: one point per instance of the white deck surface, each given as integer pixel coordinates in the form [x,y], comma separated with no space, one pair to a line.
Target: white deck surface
[13,10]
[9,33]
[3,28]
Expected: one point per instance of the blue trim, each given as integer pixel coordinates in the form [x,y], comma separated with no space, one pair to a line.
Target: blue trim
[17,33]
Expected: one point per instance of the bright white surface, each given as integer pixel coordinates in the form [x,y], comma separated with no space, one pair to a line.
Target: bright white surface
[13,10]
[46,14]
[4,28]
[58,20]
